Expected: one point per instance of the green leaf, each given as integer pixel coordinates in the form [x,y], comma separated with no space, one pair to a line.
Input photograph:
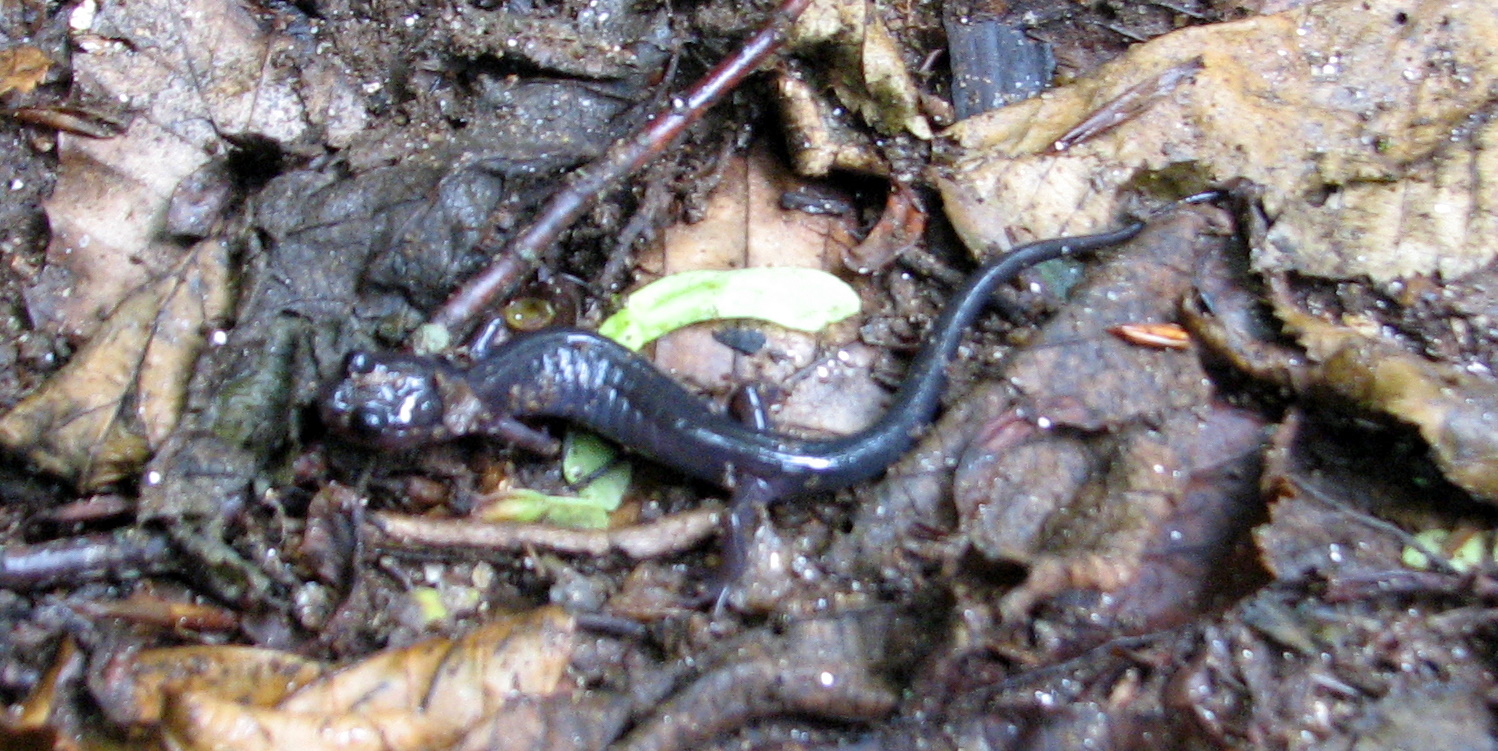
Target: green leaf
[801,299]
[587,456]
[1463,558]
[524,505]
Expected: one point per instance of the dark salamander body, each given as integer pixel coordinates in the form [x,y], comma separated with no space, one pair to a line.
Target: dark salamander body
[398,401]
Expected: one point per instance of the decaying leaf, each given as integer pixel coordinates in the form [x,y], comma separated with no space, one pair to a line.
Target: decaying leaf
[135,694]
[819,134]
[867,72]
[1455,411]
[22,68]
[1361,119]
[1079,506]
[426,696]
[193,73]
[1071,460]
[99,418]
[899,228]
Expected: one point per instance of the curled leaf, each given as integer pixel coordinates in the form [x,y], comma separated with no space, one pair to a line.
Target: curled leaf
[800,299]
[1456,411]
[135,694]
[424,696]
[577,512]
[589,461]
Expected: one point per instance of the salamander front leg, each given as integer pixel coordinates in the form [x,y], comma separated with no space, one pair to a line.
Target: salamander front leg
[515,433]
[464,413]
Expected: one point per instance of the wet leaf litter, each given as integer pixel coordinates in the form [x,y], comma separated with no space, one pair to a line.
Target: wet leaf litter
[1193,531]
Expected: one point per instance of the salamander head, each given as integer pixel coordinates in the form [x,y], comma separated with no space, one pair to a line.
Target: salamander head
[387,401]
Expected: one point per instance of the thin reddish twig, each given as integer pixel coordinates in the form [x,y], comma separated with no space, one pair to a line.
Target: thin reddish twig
[534,245]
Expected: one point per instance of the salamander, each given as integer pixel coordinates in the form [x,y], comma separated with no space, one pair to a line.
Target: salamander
[397,401]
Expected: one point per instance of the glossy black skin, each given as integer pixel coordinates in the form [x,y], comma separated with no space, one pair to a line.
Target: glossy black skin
[397,401]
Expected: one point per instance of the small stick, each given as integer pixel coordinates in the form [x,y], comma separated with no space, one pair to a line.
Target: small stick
[665,536]
[84,558]
[538,241]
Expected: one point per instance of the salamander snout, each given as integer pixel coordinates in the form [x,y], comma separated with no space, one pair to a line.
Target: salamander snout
[386,401]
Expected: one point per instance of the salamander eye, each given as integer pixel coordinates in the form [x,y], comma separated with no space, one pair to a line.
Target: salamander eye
[359,363]
[368,421]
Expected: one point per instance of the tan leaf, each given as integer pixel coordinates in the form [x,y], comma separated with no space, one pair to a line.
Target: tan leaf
[867,71]
[98,419]
[425,696]
[1362,120]
[1455,411]
[246,675]
[22,68]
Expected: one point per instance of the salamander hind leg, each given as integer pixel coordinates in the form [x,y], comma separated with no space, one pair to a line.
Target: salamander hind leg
[750,496]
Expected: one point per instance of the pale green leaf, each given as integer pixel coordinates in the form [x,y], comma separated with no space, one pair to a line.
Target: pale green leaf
[800,299]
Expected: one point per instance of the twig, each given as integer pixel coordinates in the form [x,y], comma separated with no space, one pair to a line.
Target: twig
[538,241]
[86,558]
[665,536]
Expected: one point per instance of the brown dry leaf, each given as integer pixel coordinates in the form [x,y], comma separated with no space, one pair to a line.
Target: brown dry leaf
[900,227]
[247,675]
[867,71]
[100,417]
[744,227]
[425,696]
[1363,120]
[193,72]
[22,68]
